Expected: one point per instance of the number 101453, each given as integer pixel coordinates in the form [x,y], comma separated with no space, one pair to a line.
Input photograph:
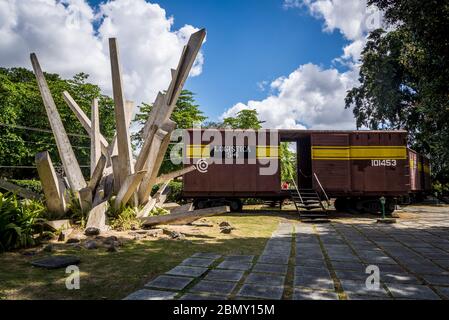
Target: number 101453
[383,163]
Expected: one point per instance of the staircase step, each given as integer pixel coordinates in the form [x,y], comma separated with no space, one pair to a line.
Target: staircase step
[306,197]
[311,204]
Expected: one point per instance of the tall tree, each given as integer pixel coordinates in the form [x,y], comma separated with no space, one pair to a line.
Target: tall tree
[186,114]
[24,126]
[404,78]
[245,119]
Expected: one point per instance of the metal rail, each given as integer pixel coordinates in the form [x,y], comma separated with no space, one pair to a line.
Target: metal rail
[322,189]
[296,187]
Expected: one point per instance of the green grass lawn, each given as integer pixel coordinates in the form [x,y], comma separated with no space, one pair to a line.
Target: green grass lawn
[114,275]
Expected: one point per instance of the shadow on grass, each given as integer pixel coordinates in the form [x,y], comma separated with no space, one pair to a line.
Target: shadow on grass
[107,275]
[114,275]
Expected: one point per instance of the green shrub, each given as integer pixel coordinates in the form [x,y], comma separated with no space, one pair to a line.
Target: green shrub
[158,212]
[442,189]
[252,201]
[75,212]
[32,185]
[20,222]
[125,219]
[175,194]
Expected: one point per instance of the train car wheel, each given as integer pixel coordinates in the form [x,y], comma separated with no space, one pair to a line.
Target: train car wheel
[201,204]
[373,207]
[340,204]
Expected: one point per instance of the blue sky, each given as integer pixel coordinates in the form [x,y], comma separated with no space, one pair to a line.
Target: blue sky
[307,55]
[249,42]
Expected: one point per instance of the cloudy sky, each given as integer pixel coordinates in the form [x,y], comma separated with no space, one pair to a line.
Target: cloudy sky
[292,60]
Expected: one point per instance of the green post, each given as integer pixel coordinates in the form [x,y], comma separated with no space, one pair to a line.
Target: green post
[382,202]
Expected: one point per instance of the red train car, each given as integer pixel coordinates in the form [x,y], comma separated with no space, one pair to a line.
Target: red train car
[420,180]
[354,167]
[239,173]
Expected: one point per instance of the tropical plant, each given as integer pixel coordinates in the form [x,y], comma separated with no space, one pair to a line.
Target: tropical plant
[124,219]
[20,222]
[288,162]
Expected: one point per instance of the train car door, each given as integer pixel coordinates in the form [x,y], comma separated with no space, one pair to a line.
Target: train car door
[304,157]
[331,161]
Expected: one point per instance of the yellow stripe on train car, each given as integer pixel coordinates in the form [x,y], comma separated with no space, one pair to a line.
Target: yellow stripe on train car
[203,151]
[198,151]
[359,152]
[267,152]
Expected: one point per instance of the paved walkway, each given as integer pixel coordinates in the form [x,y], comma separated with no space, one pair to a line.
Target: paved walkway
[321,261]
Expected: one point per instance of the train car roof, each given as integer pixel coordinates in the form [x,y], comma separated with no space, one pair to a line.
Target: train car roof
[299,131]
[339,131]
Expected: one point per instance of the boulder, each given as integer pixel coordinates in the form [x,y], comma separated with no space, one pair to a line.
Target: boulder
[224,224]
[90,245]
[110,240]
[73,240]
[226,229]
[56,262]
[174,234]
[92,231]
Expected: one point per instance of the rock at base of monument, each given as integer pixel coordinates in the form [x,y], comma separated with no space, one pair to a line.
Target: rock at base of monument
[56,262]
[174,234]
[386,220]
[90,245]
[92,231]
[73,240]
[226,229]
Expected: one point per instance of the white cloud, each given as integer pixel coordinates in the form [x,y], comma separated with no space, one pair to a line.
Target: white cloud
[309,97]
[312,97]
[351,17]
[63,36]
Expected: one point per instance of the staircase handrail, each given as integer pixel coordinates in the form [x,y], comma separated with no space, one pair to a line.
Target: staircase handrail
[296,187]
[322,189]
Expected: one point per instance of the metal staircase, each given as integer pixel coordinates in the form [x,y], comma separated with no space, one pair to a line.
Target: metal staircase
[309,202]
